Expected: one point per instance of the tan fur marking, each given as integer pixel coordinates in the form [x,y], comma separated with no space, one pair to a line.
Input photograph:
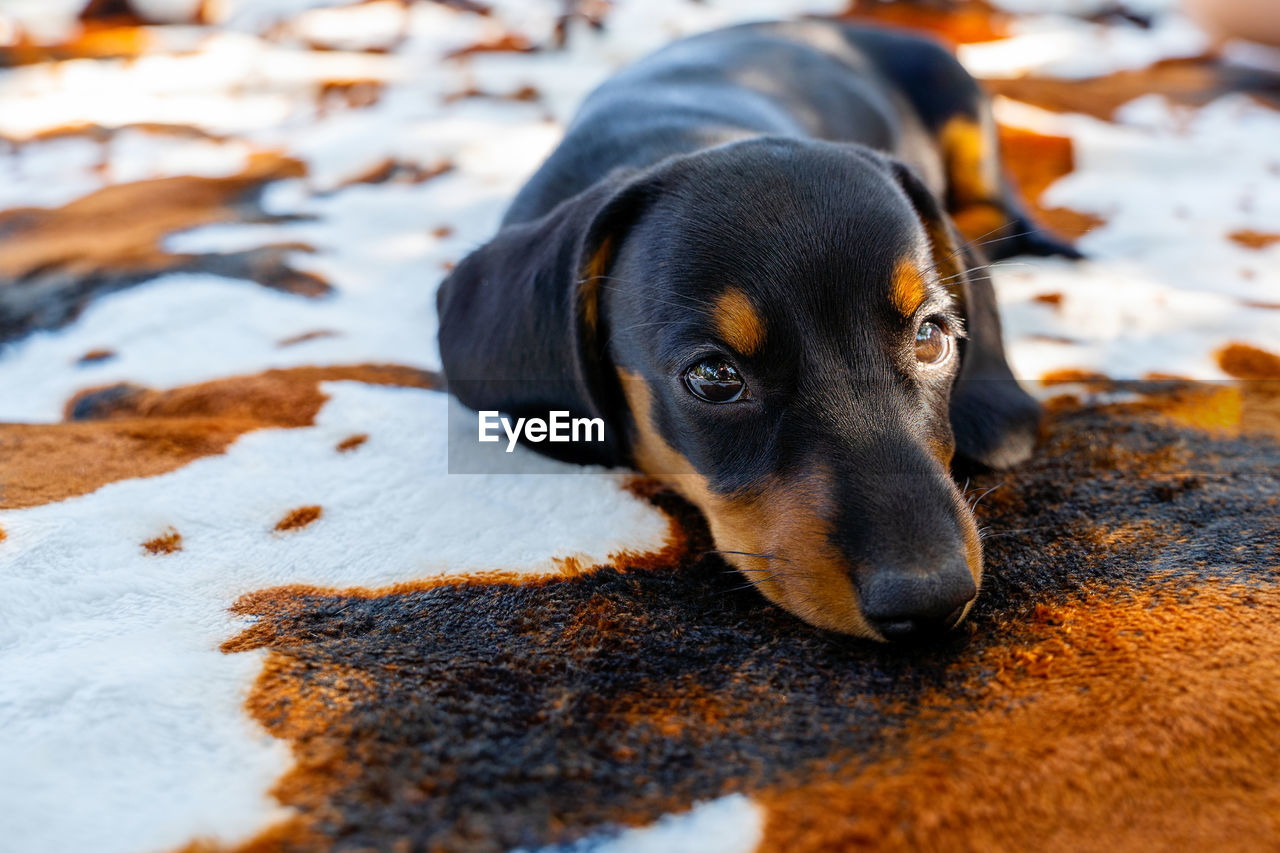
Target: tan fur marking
[972,548]
[972,174]
[907,291]
[810,580]
[973,179]
[589,287]
[738,322]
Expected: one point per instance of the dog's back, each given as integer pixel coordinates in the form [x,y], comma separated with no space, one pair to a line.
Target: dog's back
[806,79]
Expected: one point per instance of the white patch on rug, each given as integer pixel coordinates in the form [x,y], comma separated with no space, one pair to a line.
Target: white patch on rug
[731,824]
[122,725]
[1056,46]
[1164,287]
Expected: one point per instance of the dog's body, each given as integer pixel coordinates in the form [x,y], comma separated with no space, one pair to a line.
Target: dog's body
[895,93]
[727,260]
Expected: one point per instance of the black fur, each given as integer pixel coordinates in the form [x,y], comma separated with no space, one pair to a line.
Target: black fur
[510,333]
[799,164]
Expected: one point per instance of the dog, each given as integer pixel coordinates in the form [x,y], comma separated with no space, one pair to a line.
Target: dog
[743,257]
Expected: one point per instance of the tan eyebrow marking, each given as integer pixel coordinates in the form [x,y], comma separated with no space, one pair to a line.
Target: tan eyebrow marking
[907,289]
[737,321]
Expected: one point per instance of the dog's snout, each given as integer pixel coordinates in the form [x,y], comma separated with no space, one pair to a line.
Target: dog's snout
[908,604]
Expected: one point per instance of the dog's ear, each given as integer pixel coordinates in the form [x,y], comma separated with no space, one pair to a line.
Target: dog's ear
[520,326]
[994,420]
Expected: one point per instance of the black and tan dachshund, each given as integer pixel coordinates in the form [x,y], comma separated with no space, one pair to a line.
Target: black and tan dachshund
[743,258]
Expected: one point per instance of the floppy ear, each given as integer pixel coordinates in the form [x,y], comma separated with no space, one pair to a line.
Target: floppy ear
[994,420]
[520,330]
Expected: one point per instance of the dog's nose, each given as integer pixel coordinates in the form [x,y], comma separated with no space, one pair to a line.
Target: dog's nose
[909,605]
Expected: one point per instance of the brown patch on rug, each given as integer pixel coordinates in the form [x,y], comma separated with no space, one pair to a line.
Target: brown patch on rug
[1145,719]
[299,518]
[1221,408]
[351,442]
[1252,239]
[1091,379]
[349,94]
[1216,407]
[314,335]
[105,39]
[1190,82]
[102,133]
[954,21]
[399,172]
[505,43]
[289,397]
[1246,362]
[491,714]
[522,94]
[125,431]
[43,463]
[1260,372]
[1035,161]
[53,261]
[94,356]
[168,542]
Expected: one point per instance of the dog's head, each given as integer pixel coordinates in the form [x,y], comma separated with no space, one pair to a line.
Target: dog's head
[788,333]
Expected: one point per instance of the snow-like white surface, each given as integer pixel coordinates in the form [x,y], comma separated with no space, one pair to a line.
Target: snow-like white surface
[121,724]
[43,20]
[1058,46]
[233,83]
[1083,8]
[1165,287]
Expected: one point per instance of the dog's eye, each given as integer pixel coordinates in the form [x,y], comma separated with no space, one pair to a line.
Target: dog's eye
[933,344]
[715,380]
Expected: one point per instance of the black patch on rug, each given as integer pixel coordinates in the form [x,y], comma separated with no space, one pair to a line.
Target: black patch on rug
[489,716]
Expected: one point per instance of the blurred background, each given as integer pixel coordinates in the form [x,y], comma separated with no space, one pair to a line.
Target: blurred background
[197,188]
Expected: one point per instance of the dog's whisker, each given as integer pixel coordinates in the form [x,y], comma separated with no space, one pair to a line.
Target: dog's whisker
[981,240]
[943,280]
[969,271]
[1003,225]
[1004,533]
[965,244]
[755,582]
[747,554]
[992,242]
[973,506]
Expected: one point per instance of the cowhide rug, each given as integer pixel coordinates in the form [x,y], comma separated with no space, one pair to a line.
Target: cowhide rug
[243,605]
